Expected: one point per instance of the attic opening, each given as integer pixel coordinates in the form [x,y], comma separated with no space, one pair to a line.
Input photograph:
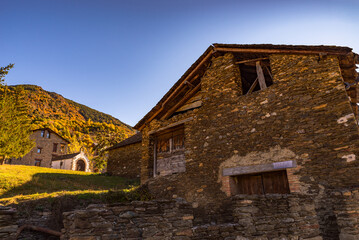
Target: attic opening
[255,74]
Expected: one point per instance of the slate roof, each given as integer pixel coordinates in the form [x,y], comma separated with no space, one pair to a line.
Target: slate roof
[67,156]
[128,141]
[212,49]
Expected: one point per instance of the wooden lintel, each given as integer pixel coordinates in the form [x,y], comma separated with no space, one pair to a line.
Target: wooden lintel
[171,125]
[182,101]
[269,51]
[253,86]
[252,60]
[260,76]
[240,170]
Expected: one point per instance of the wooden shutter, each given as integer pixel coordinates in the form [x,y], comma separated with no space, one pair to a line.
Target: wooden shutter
[262,183]
[249,184]
[276,182]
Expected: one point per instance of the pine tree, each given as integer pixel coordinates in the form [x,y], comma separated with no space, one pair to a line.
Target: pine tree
[15,127]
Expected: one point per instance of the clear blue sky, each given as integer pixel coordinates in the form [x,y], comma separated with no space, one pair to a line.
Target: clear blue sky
[121,57]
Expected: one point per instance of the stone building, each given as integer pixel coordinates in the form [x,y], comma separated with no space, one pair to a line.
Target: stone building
[258,120]
[48,145]
[124,158]
[74,161]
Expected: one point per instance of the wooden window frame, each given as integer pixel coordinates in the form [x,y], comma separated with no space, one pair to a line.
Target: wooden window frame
[39,150]
[166,132]
[54,147]
[169,135]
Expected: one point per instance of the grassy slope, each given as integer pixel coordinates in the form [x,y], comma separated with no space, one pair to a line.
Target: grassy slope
[21,183]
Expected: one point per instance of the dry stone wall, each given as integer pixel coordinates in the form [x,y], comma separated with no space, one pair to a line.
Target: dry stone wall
[136,220]
[347,213]
[255,217]
[125,161]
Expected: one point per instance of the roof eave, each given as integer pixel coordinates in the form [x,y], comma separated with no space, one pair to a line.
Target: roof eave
[189,73]
[240,48]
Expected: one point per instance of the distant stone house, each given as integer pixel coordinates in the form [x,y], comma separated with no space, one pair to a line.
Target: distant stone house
[74,161]
[48,145]
[257,120]
[124,158]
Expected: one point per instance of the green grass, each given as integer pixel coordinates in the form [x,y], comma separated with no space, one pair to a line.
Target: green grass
[24,183]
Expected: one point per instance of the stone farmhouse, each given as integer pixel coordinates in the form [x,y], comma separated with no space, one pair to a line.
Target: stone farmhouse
[124,158]
[48,145]
[258,120]
[51,151]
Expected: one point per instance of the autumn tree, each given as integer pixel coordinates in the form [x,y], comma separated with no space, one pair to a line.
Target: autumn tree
[15,127]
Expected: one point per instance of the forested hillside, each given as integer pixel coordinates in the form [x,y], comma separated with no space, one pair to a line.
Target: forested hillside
[81,125]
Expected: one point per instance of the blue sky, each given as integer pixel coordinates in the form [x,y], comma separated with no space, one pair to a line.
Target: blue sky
[121,57]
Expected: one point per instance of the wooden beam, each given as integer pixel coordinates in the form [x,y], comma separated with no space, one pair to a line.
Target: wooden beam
[175,91]
[171,125]
[189,76]
[182,101]
[253,86]
[284,51]
[251,60]
[35,228]
[270,74]
[190,84]
[190,106]
[260,76]
[155,159]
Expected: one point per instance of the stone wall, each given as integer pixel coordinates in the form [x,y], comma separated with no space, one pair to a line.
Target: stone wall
[277,216]
[136,220]
[347,213]
[8,226]
[255,217]
[125,161]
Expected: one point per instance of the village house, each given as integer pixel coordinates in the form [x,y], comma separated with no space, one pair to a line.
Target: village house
[48,144]
[51,151]
[124,158]
[258,120]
